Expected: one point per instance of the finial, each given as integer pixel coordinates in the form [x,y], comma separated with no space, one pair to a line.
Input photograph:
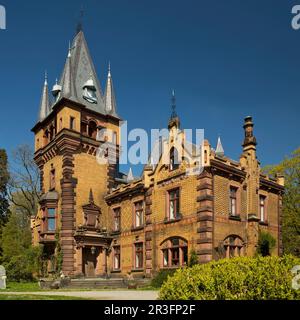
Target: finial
[109,68]
[80,21]
[69,54]
[91,196]
[174,114]
[46,78]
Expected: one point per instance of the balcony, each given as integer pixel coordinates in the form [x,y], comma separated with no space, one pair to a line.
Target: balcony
[47,237]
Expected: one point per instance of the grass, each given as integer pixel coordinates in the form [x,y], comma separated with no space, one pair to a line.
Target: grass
[36,297]
[22,287]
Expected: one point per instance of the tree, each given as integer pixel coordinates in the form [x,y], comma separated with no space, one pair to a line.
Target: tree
[4,177]
[266,243]
[20,259]
[193,259]
[290,169]
[24,191]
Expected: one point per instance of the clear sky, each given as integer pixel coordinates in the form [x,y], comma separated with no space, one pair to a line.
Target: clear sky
[225,59]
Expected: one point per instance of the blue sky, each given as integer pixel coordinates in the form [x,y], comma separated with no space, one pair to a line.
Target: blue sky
[225,59]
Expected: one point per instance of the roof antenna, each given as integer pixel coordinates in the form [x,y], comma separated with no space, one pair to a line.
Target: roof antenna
[80,21]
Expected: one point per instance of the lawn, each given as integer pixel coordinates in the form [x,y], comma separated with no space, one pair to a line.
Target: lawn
[36,297]
[22,287]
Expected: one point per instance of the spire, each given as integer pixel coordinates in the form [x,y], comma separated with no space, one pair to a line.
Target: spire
[219,149]
[174,120]
[44,105]
[110,100]
[130,176]
[68,89]
[79,68]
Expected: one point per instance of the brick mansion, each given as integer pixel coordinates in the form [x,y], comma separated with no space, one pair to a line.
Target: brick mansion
[107,223]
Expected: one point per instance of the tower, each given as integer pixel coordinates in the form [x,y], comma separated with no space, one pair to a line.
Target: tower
[73,182]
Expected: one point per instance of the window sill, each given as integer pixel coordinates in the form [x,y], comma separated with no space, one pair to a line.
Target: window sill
[137,228]
[137,270]
[235,218]
[48,233]
[174,267]
[168,221]
[115,271]
[263,223]
[115,233]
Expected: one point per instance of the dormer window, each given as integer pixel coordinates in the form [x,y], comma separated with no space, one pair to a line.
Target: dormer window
[56,91]
[89,91]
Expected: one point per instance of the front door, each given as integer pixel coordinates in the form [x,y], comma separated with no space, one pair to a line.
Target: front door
[89,263]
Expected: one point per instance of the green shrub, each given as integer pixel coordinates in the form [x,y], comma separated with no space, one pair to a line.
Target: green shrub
[266,243]
[193,259]
[24,266]
[161,277]
[261,278]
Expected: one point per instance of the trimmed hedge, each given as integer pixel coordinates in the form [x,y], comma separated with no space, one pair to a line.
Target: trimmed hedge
[261,278]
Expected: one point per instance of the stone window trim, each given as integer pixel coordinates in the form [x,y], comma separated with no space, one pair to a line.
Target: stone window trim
[263,208]
[237,199]
[46,219]
[171,196]
[116,213]
[174,249]
[138,207]
[116,250]
[138,256]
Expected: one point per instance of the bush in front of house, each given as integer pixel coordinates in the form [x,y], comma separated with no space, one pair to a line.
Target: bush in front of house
[244,278]
[161,277]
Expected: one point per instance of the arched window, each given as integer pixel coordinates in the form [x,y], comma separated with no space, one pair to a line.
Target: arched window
[92,132]
[174,253]
[233,246]
[174,161]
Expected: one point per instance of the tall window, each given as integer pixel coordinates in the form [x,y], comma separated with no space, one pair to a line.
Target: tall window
[51,212]
[139,255]
[139,214]
[262,208]
[117,219]
[175,253]
[117,258]
[233,201]
[174,161]
[173,204]
[72,123]
[60,124]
